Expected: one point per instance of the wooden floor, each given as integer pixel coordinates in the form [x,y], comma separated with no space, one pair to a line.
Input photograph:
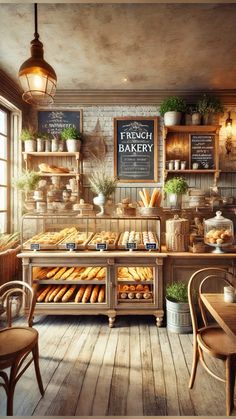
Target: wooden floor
[134,369]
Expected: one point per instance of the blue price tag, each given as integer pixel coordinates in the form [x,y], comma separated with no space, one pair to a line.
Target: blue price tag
[70,246]
[101,246]
[131,246]
[151,246]
[35,246]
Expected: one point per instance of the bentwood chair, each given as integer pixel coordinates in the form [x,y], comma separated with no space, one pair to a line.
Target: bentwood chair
[17,343]
[208,338]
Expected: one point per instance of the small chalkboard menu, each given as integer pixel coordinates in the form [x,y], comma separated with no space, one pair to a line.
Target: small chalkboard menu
[135,149]
[202,151]
[55,121]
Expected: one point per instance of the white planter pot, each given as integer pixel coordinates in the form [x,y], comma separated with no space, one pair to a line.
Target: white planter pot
[172,118]
[174,200]
[30,146]
[196,118]
[100,201]
[73,145]
[178,317]
[40,144]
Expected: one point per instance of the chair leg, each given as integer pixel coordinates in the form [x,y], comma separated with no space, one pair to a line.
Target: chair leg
[35,352]
[230,382]
[194,365]
[11,389]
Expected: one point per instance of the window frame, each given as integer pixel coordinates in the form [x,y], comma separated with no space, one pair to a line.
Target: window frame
[8,163]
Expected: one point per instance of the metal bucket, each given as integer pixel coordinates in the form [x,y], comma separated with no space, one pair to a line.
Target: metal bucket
[178,317]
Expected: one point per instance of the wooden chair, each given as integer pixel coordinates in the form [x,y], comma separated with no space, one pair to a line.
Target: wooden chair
[16,343]
[211,339]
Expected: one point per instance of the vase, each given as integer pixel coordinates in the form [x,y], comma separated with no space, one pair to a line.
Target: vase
[174,200]
[172,118]
[100,201]
[73,145]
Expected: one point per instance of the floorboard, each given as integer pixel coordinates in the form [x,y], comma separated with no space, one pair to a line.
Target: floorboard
[134,369]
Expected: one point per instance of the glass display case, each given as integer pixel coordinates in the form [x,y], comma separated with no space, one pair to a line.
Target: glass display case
[218,232]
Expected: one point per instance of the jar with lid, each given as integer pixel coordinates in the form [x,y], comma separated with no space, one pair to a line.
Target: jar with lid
[218,232]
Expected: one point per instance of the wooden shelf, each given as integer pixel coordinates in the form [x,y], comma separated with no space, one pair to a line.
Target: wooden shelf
[193,171]
[192,128]
[69,282]
[52,154]
[58,174]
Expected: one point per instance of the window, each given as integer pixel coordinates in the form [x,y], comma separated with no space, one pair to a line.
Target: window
[4,170]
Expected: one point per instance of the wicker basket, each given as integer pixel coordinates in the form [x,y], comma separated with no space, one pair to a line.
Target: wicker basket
[177,234]
[10,266]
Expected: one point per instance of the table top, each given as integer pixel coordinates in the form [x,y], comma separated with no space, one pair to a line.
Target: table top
[224,313]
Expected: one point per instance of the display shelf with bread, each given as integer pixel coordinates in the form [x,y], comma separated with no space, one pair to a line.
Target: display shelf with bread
[75,294]
[69,274]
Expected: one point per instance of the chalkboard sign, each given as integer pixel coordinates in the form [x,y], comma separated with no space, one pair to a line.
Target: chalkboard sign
[54,121]
[101,246]
[34,246]
[131,246]
[135,149]
[70,246]
[202,151]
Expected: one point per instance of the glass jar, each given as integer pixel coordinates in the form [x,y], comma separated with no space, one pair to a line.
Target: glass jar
[218,232]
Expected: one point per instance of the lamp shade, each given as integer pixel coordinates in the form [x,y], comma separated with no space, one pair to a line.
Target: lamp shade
[37,77]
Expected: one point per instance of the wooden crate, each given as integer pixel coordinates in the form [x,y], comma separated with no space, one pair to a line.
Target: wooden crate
[10,265]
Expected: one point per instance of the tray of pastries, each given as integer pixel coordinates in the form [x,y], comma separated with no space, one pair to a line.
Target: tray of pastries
[79,238]
[64,273]
[135,293]
[108,237]
[132,273]
[50,239]
[140,238]
[71,293]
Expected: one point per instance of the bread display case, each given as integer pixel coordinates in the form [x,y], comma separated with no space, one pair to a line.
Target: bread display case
[77,267]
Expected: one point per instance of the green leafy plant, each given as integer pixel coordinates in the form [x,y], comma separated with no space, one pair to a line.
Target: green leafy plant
[27,134]
[176,185]
[44,135]
[177,291]
[209,104]
[27,181]
[71,133]
[101,182]
[172,103]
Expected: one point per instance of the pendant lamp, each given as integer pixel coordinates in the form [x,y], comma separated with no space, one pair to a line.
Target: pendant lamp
[37,77]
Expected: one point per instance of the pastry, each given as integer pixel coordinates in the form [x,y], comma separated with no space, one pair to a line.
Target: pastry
[80,293]
[131,295]
[68,294]
[138,295]
[123,295]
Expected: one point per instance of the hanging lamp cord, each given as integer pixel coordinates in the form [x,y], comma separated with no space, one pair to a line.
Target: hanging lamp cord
[36,35]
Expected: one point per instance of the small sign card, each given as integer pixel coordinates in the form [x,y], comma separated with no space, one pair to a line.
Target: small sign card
[101,246]
[151,246]
[131,246]
[34,246]
[70,246]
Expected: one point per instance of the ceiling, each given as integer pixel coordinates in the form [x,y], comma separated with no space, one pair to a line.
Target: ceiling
[126,46]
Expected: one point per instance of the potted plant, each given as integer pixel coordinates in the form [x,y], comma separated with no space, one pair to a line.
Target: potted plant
[28,136]
[44,141]
[194,114]
[208,105]
[177,308]
[171,109]
[175,188]
[103,185]
[27,182]
[73,139]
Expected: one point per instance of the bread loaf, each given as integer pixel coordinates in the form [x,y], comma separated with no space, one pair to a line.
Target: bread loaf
[94,271]
[131,295]
[94,295]
[67,273]
[54,293]
[101,274]
[139,287]
[147,295]
[43,294]
[86,272]
[124,287]
[53,272]
[59,273]
[50,293]
[41,274]
[139,295]
[123,295]
[87,294]
[134,274]
[140,273]
[69,293]
[80,293]
[60,293]
[132,287]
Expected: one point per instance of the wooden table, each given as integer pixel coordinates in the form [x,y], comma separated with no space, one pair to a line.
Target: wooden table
[224,313]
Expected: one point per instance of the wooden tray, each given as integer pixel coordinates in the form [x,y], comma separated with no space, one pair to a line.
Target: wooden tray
[71,239]
[92,246]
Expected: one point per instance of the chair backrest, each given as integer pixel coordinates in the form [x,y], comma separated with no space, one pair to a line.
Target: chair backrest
[216,278]
[16,288]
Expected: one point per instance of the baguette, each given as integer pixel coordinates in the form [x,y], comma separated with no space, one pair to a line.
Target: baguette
[49,293]
[60,293]
[154,197]
[44,293]
[42,273]
[54,293]
[74,275]
[86,272]
[53,272]
[67,273]
[147,195]
[94,295]
[80,293]
[59,273]
[101,274]
[140,273]
[148,272]
[134,273]
[69,293]
[92,274]
[141,194]
[87,294]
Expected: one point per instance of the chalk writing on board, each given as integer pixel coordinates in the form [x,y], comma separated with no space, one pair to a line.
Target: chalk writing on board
[135,149]
[55,121]
[203,151]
